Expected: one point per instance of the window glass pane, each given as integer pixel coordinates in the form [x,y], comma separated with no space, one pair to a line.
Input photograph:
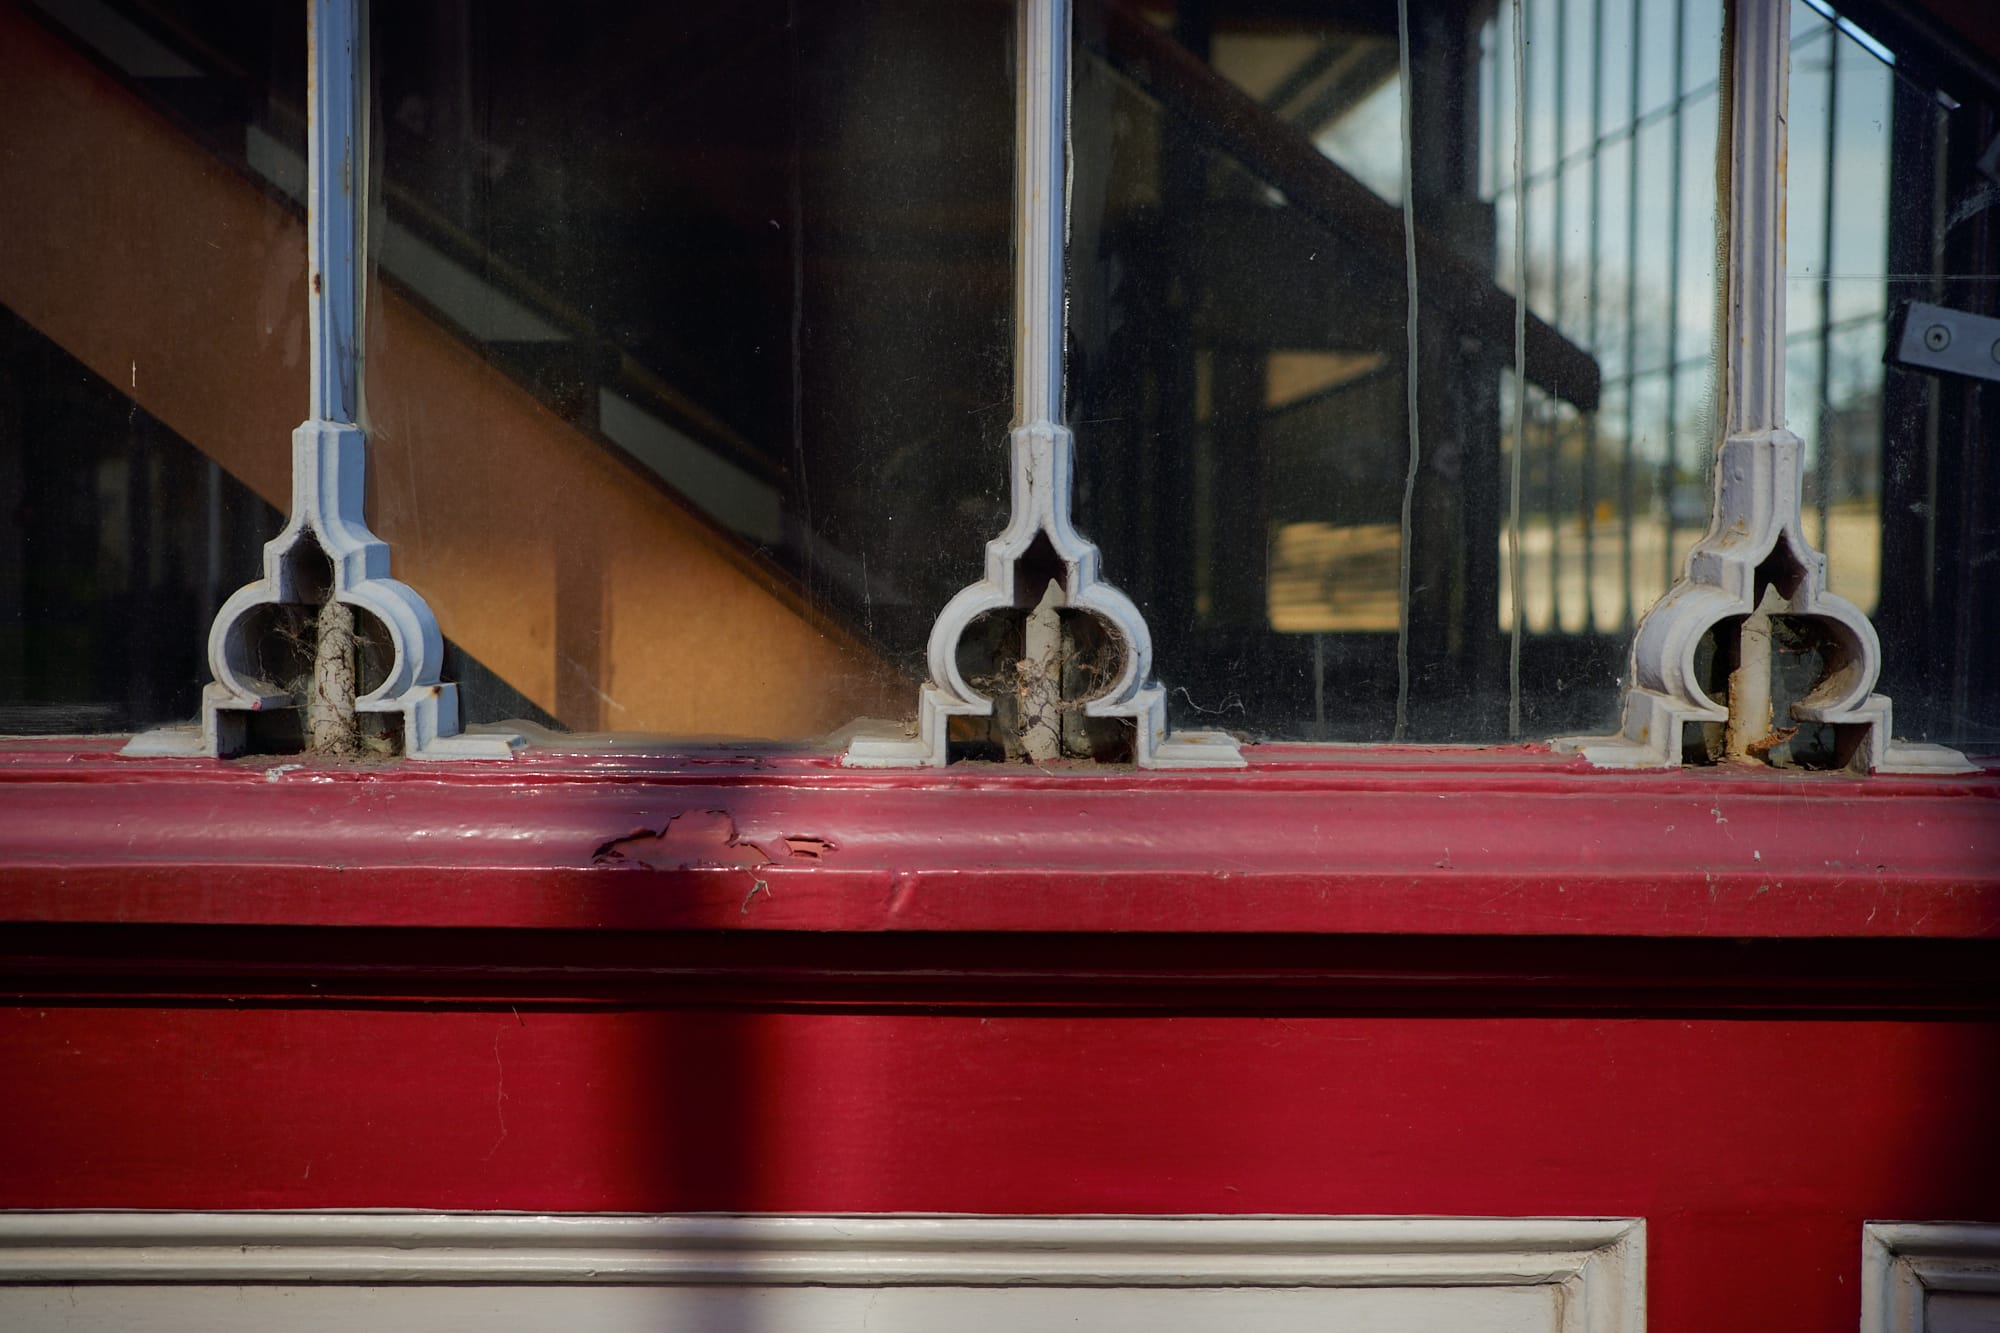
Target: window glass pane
[689,370]
[152,343]
[1240,357]
[1890,204]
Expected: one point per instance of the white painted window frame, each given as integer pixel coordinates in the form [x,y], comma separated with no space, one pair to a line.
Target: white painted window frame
[1599,1264]
[1903,1262]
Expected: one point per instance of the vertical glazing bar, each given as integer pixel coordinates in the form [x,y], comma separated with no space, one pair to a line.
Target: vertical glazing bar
[1517,584]
[1588,505]
[1754,564]
[1041,210]
[1627,498]
[325,559]
[1411,466]
[1823,459]
[1753,363]
[1759,74]
[1041,459]
[1669,450]
[334,176]
[1551,412]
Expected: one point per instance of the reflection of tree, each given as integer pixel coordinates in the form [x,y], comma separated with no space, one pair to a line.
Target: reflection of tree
[1851,431]
[1568,453]
[1574,462]
[1646,300]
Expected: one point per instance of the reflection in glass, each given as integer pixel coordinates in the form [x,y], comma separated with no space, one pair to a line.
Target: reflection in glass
[1239,355]
[711,304]
[689,371]
[1890,203]
[152,365]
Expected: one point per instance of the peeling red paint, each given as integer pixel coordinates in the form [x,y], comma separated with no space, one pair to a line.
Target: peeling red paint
[1309,841]
[696,840]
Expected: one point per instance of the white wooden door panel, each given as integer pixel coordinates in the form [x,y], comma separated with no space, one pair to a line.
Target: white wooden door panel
[510,1273]
[785,1310]
[1930,1277]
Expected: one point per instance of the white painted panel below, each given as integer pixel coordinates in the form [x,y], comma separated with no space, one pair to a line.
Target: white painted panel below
[1930,1277]
[137,1272]
[1962,1312]
[513,1309]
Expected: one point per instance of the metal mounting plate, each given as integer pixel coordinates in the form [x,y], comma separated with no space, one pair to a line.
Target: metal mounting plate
[1940,340]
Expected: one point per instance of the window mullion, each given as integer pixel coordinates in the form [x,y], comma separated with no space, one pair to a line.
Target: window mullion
[335,179]
[1042,452]
[1759,78]
[326,653]
[1754,566]
[1041,211]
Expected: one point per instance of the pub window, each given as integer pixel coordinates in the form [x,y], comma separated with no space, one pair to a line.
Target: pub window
[700,354]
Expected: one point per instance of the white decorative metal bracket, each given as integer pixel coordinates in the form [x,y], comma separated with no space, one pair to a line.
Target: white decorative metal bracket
[1043,464]
[326,565]
[1754,561]
[1043,460]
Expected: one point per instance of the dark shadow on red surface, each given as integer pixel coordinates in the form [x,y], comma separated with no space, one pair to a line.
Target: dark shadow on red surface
[829,1074]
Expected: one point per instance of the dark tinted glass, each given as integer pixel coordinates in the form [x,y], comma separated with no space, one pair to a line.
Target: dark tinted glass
[1242,363]
[689,370]
[152,291]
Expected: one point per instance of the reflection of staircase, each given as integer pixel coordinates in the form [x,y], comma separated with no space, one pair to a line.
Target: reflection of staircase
[181,280]
[477,371]
[560,359]
[1279,432]
[1282,154]
[515,323]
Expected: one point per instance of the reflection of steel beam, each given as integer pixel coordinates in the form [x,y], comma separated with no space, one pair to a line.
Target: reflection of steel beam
[1307,72]
[1368,66]
[1284,157]
[1343,305]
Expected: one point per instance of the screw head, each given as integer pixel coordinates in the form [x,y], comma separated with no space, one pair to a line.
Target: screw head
[1996,351]
[1937,337]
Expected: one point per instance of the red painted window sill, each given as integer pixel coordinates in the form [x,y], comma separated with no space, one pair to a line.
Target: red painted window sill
[1310,840]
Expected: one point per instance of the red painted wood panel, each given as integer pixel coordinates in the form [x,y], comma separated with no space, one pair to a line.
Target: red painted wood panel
[244,985]
[1755,1149]
[1472,842]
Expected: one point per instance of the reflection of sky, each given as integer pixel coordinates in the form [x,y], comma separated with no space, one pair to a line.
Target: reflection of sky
[1368,140]
[1860,123]
[1586,87]
[1621,107]
[1620,264]
[1836,296]
[1590,88]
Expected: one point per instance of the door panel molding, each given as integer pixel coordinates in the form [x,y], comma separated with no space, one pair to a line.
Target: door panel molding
[1595,1266]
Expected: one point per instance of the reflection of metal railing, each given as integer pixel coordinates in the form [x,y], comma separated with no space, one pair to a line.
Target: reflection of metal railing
[1283,156]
